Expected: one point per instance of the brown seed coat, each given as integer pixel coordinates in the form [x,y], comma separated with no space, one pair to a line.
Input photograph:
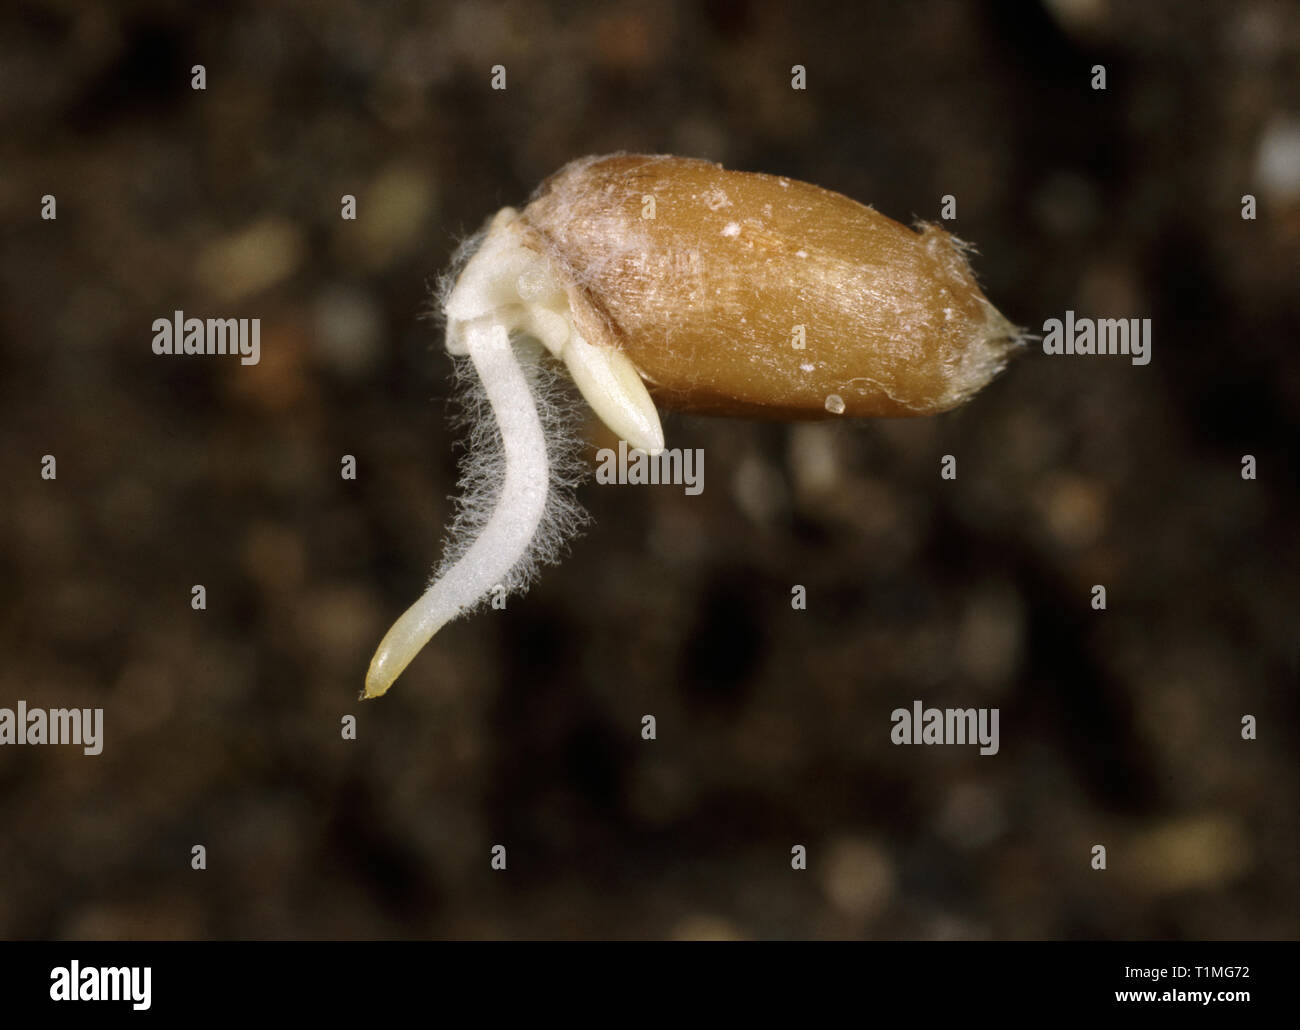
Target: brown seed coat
[705,296]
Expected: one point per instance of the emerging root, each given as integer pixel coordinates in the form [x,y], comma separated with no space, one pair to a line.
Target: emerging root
[507,535]
[516,510]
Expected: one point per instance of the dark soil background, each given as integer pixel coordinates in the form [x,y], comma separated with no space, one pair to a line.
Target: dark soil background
[222,727]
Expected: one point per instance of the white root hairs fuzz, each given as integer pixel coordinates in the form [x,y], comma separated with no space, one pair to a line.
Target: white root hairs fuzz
[482,468]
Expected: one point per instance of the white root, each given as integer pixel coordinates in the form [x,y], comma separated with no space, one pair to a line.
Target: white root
[508,533]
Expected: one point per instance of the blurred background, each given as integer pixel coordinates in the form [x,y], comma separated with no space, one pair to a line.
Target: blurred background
[522,727]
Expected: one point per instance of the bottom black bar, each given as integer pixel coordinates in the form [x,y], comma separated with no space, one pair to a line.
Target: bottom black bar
[1229,982]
